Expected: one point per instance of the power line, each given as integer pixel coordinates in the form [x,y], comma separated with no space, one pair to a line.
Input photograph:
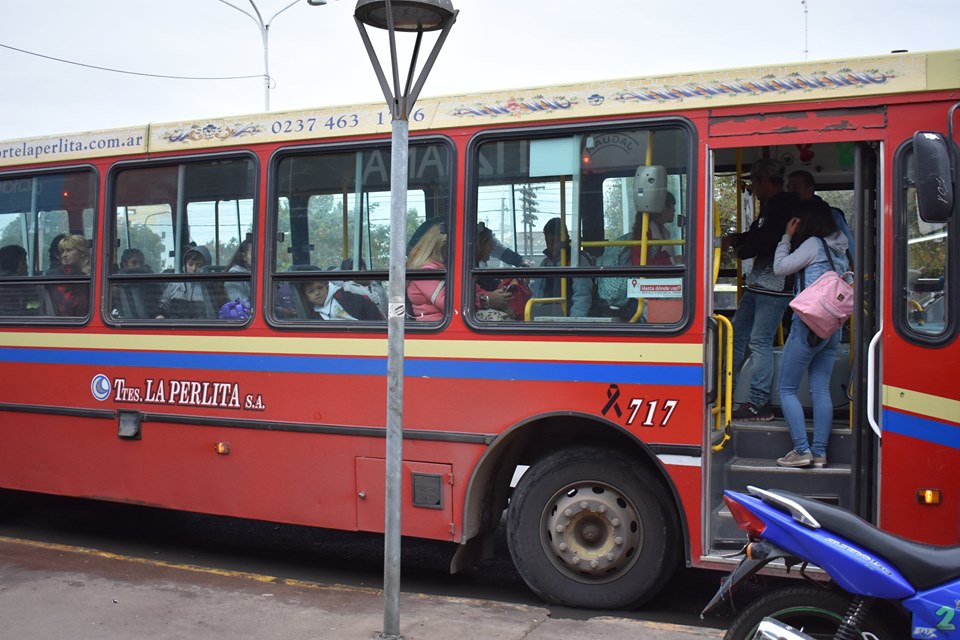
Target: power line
[132,73]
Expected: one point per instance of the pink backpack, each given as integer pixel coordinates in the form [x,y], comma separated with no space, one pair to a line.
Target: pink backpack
[827,303]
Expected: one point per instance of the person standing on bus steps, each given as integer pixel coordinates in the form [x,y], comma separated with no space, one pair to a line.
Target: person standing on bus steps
[802,249]
[184,299]
[803,184]
[72,300]
[766,295]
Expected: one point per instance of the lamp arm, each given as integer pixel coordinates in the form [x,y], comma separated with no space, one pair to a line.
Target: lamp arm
[412,97]
[258,20]
[384,85]
[272,18]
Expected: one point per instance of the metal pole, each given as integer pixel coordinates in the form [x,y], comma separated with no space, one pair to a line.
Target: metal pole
[400,107]
[395,335]
[265,34]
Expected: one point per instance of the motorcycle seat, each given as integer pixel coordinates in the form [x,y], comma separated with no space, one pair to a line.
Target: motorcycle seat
[923,565]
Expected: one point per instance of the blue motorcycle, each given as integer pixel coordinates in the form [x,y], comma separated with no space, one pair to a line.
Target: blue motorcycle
[878,582]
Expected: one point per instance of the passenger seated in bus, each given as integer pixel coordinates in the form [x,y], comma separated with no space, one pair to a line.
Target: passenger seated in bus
[580,291]
[497,299]
[54,253]
[72,300]
[134,299]
[614,290]
[427,298]
[185,299]
[803,249]
[372,289]
[19,299]
[241,262]
[326,300]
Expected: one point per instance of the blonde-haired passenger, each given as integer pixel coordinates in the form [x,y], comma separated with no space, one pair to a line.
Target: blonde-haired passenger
[72,299]
[429,251]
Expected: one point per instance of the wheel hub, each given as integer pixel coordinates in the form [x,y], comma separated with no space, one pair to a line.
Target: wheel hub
[593,531]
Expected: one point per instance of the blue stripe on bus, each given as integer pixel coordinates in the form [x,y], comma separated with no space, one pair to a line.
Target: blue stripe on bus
[682,375]
[924,429]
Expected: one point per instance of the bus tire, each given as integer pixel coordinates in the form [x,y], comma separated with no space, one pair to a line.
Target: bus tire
[589,528]
[817,610]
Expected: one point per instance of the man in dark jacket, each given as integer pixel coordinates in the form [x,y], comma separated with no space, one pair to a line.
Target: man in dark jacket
[765,295]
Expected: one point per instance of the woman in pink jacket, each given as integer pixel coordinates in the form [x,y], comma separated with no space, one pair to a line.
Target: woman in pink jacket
[428,297]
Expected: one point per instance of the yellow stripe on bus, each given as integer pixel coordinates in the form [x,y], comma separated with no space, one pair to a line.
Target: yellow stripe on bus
[922,404]
[369,347]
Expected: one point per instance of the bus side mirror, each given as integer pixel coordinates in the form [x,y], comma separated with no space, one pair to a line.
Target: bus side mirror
[935,194]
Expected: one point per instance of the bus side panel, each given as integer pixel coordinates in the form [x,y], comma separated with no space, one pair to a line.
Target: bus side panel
[911,463]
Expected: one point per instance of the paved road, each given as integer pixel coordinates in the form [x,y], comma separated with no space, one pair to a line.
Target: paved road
[171,572]
[51,591]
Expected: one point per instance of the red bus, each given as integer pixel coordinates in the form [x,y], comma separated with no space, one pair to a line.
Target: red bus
[191,316]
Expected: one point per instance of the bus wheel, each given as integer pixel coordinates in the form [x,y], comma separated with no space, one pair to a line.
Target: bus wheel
[587,528]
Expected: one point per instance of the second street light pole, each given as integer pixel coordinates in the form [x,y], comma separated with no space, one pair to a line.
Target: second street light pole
[413,16]
[264,27]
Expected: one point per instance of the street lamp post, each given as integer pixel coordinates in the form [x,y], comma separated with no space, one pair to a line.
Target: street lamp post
[411,16]
[264,27]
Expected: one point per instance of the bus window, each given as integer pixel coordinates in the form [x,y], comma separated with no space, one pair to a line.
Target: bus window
[566,208]
[332,228]
[41,217]
[174,226]
[925,267]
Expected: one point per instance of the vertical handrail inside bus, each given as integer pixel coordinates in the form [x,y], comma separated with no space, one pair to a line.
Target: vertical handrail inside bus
[723,409]
[35,216]
[179,239]
[644,230]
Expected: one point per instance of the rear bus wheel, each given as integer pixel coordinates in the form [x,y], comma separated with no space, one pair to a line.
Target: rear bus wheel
[587,528]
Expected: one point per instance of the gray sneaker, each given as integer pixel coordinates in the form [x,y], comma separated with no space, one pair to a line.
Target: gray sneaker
[796,459]
[820,461]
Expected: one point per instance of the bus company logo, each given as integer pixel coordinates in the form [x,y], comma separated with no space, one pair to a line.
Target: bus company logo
[183,393]
[100,387]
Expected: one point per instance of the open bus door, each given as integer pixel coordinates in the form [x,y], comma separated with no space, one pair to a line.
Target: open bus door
[847,176]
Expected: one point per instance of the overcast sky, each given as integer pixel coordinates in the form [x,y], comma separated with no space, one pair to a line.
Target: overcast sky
[317,57]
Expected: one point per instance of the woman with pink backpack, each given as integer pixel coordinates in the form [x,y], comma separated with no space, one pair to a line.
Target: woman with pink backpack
[812,245]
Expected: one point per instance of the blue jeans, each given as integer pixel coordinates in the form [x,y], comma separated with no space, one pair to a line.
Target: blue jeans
[755,323]
[800,358]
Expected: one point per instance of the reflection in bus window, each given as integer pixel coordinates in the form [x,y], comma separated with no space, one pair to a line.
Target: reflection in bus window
[611,200]
[182,224]
[333,217]
[926,266]
[36,214]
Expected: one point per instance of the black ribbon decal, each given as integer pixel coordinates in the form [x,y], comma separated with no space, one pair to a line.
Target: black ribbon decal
[613,394]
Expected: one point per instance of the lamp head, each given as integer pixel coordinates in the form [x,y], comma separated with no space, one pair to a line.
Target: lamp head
[408,15]
[316,3]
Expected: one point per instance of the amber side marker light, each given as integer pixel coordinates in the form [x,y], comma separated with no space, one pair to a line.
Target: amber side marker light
[928,496]
[223,448]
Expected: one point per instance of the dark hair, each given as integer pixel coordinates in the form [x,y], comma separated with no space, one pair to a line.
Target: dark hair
[11,256]
[816,219]
[238,258]
[55,248]
[769,168]
[131,253]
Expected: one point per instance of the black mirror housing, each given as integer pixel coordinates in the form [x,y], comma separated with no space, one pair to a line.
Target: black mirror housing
[935,188]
